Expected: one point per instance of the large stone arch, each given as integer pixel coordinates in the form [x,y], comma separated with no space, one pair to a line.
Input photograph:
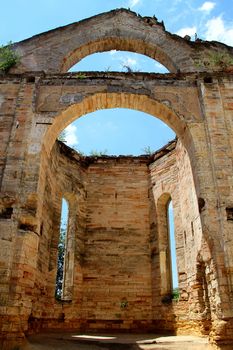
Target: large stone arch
[99,101]
[105,100]
[189,132]
[122,44]
[110,100]
[57,50]
[175,110]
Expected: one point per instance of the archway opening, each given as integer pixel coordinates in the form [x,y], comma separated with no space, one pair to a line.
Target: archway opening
[105,100]
[119,61]
[114,199]
[117,131]
[113,44]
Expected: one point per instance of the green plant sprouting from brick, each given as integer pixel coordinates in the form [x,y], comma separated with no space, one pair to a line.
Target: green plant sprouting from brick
[80,76]
[216,59]
[221,59]
[175,294]
[96,153]
[148,150]
[8,57]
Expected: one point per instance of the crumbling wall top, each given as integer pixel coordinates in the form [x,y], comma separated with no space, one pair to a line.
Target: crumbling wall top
[59,49]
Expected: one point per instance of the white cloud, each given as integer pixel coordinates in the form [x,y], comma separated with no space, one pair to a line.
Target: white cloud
[71,135]
[113,52]
[207,6]
[217,30]
[187,31]
[128,61]
[125,59]
[133,3]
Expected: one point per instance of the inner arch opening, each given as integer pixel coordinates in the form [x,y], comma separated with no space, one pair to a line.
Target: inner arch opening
[117,131]
[118,44]
[100,101]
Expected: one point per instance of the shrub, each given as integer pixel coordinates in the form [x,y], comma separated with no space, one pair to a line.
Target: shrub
[8,57]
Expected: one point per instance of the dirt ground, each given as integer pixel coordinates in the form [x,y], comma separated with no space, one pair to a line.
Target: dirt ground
[75,341]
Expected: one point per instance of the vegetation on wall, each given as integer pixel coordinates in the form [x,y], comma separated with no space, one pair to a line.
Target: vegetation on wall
[80,76]
[176,294]
[170,297]
[216,60]
[148,150]
[93,153]
[220,59]
[8,58]
[96,153]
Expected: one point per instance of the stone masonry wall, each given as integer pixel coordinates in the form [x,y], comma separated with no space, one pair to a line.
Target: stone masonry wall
[112,271]
[171,179]
[118,277]
[117,268]
[65,179]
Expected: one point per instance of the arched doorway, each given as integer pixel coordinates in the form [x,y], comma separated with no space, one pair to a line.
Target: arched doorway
[111,213]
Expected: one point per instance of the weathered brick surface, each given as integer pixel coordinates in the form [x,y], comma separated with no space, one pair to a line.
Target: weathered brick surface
[117,270]
[59,49]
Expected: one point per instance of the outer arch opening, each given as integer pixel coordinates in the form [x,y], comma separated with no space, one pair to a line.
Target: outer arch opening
[119,44]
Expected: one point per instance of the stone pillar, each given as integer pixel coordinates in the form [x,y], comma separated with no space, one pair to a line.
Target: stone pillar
[216,97]
[20,241]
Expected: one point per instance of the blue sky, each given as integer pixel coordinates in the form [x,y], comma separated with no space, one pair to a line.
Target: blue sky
[23,18]
[118,131]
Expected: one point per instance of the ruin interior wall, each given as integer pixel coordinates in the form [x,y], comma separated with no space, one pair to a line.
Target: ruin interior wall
[172,179]
[112,275]
[117,269]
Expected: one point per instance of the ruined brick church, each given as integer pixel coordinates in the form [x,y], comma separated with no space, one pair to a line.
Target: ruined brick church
[117,271]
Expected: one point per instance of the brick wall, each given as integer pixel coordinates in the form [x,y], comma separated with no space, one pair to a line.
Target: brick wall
[197,176]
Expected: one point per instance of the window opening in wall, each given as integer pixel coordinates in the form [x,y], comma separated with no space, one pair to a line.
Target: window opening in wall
[172,246]
[61,249]
[118,61]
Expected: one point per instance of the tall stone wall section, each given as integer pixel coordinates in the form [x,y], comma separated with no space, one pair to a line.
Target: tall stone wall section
[171,179]
[117,279]
[112,275]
